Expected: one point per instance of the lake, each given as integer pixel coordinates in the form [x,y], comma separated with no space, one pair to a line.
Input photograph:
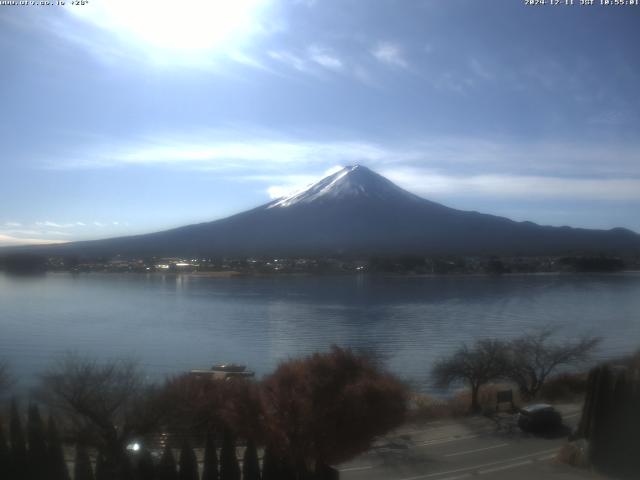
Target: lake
[173,323]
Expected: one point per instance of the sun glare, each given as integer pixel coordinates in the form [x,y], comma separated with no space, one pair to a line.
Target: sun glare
[164,26]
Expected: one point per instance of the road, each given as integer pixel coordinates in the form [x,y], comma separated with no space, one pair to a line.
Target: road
[468,448]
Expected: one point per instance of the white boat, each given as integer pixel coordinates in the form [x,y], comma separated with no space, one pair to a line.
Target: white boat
[229,367]
[225,371]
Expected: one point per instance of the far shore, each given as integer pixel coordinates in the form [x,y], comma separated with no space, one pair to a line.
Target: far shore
[237,274]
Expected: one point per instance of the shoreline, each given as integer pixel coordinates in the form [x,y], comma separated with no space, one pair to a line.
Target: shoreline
[236,274]
[240,274]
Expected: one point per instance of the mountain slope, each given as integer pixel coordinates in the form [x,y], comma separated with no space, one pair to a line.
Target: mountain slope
[356,211]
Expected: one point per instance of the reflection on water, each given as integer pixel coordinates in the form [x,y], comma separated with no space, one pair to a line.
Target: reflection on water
[174,323]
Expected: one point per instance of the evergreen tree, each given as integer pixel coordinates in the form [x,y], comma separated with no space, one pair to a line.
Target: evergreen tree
[289,472]
[101,468]
[210,467]
[18,463]
[274,467]
[114,465]
[82,469]
[229,468]
[188,463]
[57,465]
[250,464]
[123,468]
[167,466]
[145,469]
[37,453]
[270,470]
[4,455]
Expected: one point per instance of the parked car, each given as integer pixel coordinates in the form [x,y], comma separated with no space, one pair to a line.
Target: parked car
[540,418]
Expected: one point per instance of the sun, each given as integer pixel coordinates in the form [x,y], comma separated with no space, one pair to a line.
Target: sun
[175,27]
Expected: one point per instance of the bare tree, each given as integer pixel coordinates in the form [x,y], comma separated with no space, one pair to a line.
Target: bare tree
[329,407]
[534,356]
[200,405]
[108,401]
[477,365]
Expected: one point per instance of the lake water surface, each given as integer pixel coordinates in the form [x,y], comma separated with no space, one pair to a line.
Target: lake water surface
[174,323]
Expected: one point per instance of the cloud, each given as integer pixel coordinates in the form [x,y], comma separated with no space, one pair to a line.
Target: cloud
[284,185]
[8,240]
[323,63]
[480,69]
[391,54]
[313,61]
[289,59]
[427,183]
[24,233]
[325,58]
[290,184]
[456,165]
[243,149]
[220,151]
[430,183]
[57,225]
[247,60]
[363,75]
[279,191]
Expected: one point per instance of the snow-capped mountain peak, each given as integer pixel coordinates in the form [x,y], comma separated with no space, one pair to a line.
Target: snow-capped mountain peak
[353,181]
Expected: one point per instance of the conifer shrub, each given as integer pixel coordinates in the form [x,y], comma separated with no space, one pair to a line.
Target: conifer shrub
[210,467]
[188,463]
[18,448]
[4,454]
[167,466]
[145,468]
[229,468]
[55,453]
[37,452]
[82,466]
[250,463]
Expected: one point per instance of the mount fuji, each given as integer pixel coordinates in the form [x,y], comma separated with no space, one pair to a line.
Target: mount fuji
[356,211]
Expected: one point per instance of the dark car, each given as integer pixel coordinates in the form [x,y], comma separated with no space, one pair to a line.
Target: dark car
[539,418]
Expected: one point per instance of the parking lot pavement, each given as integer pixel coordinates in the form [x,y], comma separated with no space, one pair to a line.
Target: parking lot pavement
[471,447]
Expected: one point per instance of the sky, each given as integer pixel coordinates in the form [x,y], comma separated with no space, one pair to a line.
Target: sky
[120,117]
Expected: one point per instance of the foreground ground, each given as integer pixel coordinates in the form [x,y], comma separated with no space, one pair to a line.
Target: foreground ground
[467,448]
